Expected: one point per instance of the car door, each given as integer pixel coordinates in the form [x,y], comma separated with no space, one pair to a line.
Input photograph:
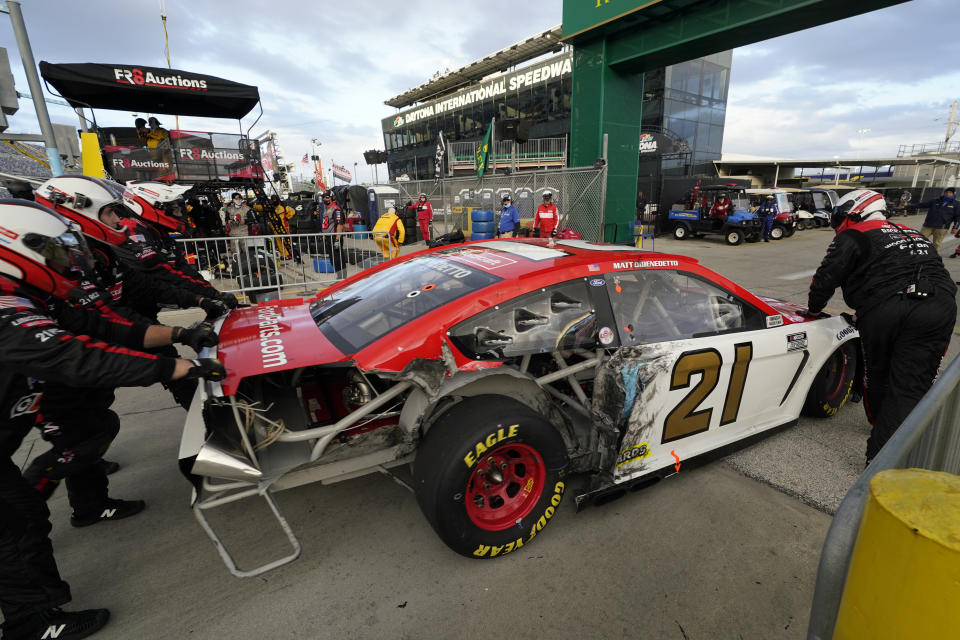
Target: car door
[698,368]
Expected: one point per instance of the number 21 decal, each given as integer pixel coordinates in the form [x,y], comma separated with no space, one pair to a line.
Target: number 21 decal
[686,419]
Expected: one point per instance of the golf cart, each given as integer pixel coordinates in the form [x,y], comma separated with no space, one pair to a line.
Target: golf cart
[813,207]
[785,224]
[737,226]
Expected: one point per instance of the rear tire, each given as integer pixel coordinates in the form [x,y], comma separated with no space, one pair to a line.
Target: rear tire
[734,237]
[487,475]
[832,385]
[801,225]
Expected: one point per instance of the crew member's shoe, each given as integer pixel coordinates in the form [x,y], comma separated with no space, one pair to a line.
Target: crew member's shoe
[110,467]
[56,623]
[111,510]
[766,239]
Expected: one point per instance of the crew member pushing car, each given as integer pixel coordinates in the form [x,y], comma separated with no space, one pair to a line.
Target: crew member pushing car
[48,251]
[547,216]
[424,216]
[768,212]
[905,306]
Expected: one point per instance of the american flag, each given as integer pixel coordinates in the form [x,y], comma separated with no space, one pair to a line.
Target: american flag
[305,159]
[593,267]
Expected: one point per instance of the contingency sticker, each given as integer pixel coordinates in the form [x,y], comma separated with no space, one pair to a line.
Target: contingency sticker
[634,453]
[533,252]
[797,341]
[605,335]
[774,321]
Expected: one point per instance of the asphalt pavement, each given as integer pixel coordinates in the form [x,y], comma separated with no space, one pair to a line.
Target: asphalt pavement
[727,550]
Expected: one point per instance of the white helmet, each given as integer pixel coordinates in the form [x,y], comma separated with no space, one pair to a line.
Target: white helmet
[157,202]
[391,210]
[41,248]
[857,206]
[82,199]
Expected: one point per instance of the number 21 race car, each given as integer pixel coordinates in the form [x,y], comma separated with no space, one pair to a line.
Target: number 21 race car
[499,369]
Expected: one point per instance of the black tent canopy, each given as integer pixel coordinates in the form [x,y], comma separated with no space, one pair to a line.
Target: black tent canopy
[150,89]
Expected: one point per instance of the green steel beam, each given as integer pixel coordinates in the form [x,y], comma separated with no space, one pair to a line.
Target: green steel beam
[718,25]
[609,60]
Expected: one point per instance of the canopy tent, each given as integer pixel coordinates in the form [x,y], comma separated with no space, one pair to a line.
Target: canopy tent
[150,90]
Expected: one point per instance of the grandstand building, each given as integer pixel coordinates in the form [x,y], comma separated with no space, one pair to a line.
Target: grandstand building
[532,81]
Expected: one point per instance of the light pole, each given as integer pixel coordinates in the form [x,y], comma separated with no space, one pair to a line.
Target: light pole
[355,178]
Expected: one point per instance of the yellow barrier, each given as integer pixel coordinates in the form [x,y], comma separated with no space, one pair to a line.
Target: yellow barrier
[904,578]
[90,156]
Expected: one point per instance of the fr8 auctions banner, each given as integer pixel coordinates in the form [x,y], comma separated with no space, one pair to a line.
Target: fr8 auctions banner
[187,156]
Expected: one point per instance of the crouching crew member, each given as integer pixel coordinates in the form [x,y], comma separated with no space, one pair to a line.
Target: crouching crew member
[37,270]
[388,233]
[905,306]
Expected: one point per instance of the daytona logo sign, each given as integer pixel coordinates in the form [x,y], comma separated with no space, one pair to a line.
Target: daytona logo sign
[136,76]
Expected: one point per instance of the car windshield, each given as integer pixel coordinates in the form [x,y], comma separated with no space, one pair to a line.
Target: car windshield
[369,309]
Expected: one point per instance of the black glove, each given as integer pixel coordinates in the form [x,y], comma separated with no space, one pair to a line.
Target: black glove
[214,308]
[229,299]
[196,338]
[807,313]
[849,317]
[209,368]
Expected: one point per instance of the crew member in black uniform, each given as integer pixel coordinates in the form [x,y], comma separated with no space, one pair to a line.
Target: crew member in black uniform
[46,253]
[905,306]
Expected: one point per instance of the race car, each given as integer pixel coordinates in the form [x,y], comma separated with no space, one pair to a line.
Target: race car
[499,369]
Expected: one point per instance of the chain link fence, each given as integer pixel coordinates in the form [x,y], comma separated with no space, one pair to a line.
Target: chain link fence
[577,192]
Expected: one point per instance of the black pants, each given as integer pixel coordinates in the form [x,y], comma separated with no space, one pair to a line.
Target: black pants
[903,343]
[79,426]
[29,579]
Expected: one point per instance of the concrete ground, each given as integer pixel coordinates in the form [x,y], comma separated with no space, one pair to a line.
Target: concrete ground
[728,550]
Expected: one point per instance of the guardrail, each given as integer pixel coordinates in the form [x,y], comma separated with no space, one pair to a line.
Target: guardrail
[277,265]
[929,438]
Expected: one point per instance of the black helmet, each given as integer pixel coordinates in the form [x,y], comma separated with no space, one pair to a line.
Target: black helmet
[275,199]
[327,194]
[506,199]
[139,123]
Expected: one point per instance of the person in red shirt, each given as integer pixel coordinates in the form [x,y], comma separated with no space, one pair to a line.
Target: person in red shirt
[546,219]
[424,216]
[722,207]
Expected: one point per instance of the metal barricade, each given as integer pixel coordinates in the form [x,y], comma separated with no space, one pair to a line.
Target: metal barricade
[578,192]
[929,438]
[275,266]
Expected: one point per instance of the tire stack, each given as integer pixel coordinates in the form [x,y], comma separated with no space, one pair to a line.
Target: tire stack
[408,216]
[482,224]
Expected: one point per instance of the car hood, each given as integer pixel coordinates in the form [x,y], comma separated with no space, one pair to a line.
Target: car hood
[789,310]
[271,337]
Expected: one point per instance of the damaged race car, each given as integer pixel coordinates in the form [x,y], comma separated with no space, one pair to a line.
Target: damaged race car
[498,369]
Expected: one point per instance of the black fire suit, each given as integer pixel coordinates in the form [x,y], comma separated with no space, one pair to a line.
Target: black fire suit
[905,303]
[77,421]
[32,344]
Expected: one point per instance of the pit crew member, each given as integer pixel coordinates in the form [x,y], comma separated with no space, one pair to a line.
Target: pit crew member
[905,306]
[509,218]
[43,250]
[546,218]
[424,216]
[388,233]
[768,212]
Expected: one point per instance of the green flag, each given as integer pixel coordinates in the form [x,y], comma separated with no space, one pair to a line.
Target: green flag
[483,152]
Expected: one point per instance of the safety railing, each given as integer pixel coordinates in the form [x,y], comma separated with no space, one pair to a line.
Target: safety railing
[275,266]
[535,152]
[929,438]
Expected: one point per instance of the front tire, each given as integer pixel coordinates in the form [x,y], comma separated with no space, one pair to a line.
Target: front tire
[776,233]
[487,475]
[680,232]
[734,237]
[831,388]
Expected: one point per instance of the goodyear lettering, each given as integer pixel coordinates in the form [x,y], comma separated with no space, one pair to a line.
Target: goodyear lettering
[489,442]
[483,550]
[845,332]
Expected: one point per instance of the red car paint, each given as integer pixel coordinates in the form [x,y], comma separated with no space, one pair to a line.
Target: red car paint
[248,333]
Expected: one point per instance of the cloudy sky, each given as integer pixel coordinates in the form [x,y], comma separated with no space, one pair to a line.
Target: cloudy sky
[324,68]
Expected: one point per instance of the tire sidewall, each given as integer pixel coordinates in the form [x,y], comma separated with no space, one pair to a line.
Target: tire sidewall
[818,403]
[442,493]
[680,232]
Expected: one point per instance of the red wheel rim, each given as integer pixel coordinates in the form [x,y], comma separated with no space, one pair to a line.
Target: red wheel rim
[505,486]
